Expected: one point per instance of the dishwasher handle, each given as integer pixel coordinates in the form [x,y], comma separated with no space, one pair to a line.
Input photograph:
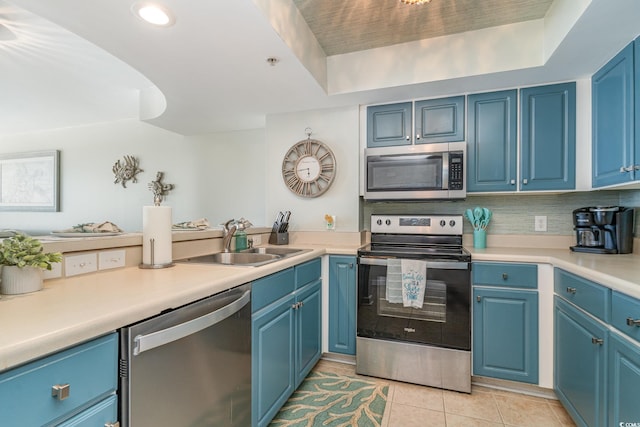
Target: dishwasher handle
[150,341]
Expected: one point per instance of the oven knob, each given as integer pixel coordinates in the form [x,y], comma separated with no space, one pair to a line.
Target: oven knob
[452,223]
[443,223]
[379,222]
[388,222]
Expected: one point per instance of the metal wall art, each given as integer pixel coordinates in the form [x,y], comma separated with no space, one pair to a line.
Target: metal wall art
[126,171]
[30,181]
[159,189]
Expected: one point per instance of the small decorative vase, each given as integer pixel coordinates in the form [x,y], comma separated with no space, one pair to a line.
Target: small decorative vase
[479,239]
[16,280]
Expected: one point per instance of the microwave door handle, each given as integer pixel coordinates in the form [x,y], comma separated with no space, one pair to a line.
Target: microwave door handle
[440,265]
[445,171]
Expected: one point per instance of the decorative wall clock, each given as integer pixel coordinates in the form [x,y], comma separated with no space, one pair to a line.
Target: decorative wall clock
[309,167]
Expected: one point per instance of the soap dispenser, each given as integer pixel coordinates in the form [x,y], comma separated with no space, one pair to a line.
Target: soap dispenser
[241,234]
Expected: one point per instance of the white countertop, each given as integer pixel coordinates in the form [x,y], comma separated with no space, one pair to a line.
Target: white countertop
[72,310]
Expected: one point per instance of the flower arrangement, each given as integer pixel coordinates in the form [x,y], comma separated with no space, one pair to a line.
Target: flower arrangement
[25,251]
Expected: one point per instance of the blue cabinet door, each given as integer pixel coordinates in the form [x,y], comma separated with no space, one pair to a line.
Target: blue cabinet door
[580,344]
[104,413]
[342,304]
[272,359]
[548,137]
[440,120]
[505,334]
[612,120]
[389,124]
[624,381]
[491,143]
[308,329]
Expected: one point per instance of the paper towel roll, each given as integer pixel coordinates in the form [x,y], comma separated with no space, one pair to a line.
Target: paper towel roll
[156,225]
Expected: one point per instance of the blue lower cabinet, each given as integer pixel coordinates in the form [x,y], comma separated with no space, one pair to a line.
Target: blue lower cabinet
[624,382]
[53,389]
[580,346]
[272,361]
[104,413]
[342,304]
[308,329]
[286,337]
[505,334]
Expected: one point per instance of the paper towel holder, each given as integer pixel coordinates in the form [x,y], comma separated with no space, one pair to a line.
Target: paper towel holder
[153,265]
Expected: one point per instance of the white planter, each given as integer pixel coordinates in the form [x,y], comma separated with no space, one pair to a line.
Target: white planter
[16,280]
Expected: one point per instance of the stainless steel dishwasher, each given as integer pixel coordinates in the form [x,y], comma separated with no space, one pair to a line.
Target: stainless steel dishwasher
[190,366]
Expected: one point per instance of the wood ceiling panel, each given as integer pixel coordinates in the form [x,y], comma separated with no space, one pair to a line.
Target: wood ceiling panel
[343,26]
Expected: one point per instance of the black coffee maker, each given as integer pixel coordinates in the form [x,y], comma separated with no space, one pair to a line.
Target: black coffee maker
[603,230]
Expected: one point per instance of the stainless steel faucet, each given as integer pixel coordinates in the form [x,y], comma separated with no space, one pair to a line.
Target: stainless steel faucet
[227,234]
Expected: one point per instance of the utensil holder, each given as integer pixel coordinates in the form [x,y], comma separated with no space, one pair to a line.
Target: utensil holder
[279,238]
[479,239]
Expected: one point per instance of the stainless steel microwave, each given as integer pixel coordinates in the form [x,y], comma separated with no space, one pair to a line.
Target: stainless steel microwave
[416,172]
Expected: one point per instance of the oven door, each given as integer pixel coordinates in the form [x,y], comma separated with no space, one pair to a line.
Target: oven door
[444,319]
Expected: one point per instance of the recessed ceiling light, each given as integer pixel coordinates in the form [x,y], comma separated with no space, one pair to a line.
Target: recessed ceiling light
[154,14]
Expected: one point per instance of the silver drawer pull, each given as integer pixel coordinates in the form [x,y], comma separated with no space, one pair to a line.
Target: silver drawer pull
[505,276]
[598,341]
[633,322]
[61,391]
[571,290]
[115,424]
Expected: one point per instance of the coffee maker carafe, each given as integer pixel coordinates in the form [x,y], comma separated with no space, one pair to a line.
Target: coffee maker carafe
[603,230]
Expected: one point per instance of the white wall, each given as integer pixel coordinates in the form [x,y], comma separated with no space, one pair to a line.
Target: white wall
[197,166]
[338,128]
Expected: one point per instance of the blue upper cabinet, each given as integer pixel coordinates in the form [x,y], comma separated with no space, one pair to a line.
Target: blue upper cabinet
[548,137]
[389,124]
[491,142]
[440,120]
[614,151]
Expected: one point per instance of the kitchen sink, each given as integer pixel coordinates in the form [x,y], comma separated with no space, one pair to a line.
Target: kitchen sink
[251,257]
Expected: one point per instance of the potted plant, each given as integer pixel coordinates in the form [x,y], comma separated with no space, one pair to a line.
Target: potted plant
[23,261]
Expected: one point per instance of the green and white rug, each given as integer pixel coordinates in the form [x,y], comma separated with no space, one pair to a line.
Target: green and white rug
[325,399]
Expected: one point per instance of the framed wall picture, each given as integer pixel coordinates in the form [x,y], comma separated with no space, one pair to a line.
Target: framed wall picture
[30,181]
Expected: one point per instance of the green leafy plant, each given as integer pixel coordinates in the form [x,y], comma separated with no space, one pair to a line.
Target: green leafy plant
[25,251]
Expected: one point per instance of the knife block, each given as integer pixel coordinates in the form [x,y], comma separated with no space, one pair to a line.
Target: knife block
[279,238]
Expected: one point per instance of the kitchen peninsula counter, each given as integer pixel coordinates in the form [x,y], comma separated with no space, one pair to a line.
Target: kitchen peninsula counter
[75,309]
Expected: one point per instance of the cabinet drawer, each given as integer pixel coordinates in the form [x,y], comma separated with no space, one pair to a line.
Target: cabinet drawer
[505,274]
[588,295]
[90,370]
[625,314]
[100,414]
[268,289]
[307,272]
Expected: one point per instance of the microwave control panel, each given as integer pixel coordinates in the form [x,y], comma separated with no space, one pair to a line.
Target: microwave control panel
[456,168]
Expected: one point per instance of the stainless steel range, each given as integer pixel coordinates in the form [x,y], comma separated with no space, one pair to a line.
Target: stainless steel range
[414,292]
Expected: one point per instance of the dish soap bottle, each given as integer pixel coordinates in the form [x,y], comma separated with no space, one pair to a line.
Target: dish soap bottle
[241,234]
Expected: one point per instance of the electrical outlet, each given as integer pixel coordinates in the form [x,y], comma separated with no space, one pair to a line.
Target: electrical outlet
[540,223]
[257,239]
[111,259]
[80,264]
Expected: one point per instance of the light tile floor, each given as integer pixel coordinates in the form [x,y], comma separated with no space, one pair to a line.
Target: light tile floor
[410,405]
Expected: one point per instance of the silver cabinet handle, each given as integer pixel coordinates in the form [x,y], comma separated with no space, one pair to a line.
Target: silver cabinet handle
[114,424]
[636,167]
[408,138]
[525,181]
[598,341]
[61,391]
[624,169]
[478,298]
[505,276]
[156,339]
[571,290]
[350,265]
[512,182]
[417,136]
[294,306]
[633,322]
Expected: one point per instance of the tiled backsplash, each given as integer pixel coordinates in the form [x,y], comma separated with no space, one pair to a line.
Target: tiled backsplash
[514,214]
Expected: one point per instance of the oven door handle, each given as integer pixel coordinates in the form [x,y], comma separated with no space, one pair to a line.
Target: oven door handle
[440,265]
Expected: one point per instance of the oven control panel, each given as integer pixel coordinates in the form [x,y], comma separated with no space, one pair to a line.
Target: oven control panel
[417,224]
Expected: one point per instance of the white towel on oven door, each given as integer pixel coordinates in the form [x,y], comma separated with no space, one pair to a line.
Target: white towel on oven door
[414,282]
[393,292]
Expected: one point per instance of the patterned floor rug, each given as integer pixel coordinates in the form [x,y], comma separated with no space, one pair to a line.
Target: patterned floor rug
[331,400]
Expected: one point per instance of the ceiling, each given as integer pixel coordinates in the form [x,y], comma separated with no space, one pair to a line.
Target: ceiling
[73,62]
